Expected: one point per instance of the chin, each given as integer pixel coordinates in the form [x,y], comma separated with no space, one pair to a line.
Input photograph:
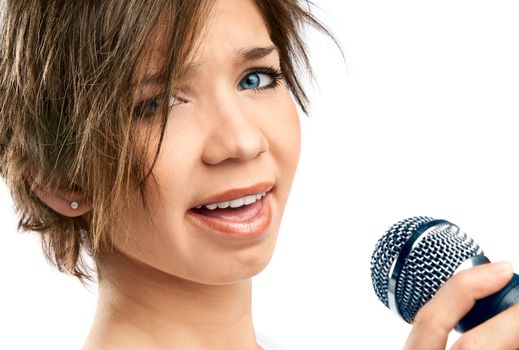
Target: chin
[239,269]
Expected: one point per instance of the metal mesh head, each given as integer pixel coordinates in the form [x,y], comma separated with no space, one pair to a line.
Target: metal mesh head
[387,249]
[433,259]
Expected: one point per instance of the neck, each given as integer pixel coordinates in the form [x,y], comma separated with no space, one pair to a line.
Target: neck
[140,305]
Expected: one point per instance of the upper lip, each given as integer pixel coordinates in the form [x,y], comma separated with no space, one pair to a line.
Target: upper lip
[235,193]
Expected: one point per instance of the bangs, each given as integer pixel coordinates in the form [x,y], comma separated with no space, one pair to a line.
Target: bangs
[71,106]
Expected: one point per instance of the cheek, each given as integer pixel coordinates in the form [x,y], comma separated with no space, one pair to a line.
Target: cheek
[285,141]
[176,164]
[284,145]
[167,199]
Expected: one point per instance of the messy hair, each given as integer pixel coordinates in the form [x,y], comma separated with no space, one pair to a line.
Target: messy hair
[67,117]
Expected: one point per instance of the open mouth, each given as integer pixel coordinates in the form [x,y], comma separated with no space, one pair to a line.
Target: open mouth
[236,210]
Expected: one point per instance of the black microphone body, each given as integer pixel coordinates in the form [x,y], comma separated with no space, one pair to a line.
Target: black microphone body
[490,306]
[416,256]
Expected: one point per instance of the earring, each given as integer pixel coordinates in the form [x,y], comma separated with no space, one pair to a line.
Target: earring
[74,205]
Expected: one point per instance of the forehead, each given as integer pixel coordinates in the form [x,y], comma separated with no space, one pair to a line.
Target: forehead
[235,22]
[232,27]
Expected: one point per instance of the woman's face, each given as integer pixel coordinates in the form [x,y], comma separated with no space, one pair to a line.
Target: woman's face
[232,138]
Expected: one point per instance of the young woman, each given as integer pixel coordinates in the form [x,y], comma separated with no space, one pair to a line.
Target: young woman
[162,138]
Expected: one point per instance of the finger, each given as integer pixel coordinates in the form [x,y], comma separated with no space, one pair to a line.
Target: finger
[435,320]
[499,333]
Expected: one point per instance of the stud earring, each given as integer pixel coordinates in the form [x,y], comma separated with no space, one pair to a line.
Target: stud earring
[74,205]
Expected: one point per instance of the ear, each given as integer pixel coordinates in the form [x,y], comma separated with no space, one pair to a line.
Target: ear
[68,203]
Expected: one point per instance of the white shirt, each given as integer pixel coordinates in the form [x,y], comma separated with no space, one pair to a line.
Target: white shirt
[266,343]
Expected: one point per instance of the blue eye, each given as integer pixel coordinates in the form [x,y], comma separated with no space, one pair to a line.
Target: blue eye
[260,79]
[255,81]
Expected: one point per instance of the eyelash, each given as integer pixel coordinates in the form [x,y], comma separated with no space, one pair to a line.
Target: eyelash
[276,75]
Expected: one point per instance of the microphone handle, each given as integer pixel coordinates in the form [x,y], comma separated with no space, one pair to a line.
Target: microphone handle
[490,306]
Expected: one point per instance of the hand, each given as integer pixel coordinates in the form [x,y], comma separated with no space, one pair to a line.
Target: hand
[437,318]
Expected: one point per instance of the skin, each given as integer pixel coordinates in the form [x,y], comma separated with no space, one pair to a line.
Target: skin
[437,318]
[172,285]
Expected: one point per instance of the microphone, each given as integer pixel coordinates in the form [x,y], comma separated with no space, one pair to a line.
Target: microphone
[416,256]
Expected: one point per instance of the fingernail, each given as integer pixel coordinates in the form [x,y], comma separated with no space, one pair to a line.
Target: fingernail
[501,268]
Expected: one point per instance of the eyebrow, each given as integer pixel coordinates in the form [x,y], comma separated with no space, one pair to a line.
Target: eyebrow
[244,55]
[255,53]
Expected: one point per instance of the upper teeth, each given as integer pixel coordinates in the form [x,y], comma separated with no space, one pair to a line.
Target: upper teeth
[235,203]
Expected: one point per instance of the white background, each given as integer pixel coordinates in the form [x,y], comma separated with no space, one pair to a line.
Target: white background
[418,119]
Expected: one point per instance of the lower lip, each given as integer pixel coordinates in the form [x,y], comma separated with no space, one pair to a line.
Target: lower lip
[249,228]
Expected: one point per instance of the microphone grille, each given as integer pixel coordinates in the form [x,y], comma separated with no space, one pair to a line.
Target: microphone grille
[387,249]
[432,260]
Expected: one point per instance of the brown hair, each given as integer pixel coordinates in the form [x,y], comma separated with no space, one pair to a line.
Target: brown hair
[66,74]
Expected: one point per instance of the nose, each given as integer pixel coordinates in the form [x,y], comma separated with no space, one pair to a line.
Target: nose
[234,133]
